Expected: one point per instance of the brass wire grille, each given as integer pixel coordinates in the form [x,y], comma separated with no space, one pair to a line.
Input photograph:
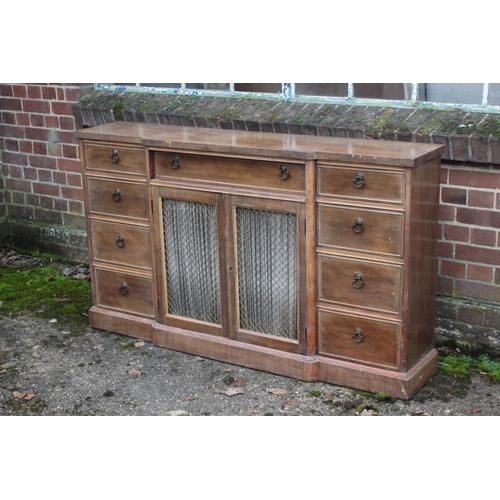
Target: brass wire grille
[192,260]
[267,272]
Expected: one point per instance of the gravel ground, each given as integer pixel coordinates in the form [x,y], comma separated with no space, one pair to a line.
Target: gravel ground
[46,369]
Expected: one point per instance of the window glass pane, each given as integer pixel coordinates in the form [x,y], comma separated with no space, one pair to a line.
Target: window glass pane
[463,93]
[208,86]
[163,85]
[399,91]
[494,94]
[321,89]
[269,88]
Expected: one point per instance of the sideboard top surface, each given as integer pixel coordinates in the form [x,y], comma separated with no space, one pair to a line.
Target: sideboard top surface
[301,147]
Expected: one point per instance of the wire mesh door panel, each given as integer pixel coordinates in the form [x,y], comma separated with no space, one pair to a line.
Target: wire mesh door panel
[191,258]
[268,272]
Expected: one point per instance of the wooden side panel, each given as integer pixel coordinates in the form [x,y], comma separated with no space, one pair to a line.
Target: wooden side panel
[422,264]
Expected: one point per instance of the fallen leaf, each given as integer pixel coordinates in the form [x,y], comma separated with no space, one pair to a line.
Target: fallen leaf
[420,412]
[199,359]
[240,382]
[278,392]
[81,276]
[24,395]
[139,344]
[52,320]
[290,402]
[63,299]
[134,372]
[233,392]
[474,410]
[256,412]
[3,371]
[187,398]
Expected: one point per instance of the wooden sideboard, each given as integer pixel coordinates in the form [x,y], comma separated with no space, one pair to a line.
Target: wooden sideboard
[309,257]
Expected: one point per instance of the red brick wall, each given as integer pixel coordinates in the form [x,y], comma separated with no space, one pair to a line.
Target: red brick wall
[469,246]
[40,161]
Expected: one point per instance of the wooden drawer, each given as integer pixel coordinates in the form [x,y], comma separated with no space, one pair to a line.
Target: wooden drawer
[118,198]
[121,244]
[361,183]
[125,292]
[234,171]
[361,230]
[358,339]
[378,289]
[115,158]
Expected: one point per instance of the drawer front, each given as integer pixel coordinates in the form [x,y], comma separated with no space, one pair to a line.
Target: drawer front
[361,184]
[115,158]
[118,198]
[361,230]
[236,172]
[125,292]
[121,244]
[358,339]
[358,283]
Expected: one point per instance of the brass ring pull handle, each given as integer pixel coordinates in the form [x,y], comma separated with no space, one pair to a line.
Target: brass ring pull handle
[358,335]
[358,282]
[358,227]
[113,158]
[174,162]
[123,288]
[120,241]
[117,196]
[283,173]
[359,180]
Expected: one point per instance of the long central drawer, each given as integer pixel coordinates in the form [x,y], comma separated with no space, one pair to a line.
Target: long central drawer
[234,171]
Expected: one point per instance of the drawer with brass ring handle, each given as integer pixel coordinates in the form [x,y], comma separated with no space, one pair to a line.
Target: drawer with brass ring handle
[352,337]
[358,225]
[359,180]
[357,281]
[124,291]
[120,241]
[113,157]
[118,198]
[252,173]
[354,282]
[357,336]
[121,244]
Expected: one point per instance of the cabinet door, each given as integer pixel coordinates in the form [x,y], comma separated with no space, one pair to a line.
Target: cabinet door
[189,252]
[267,274]
[231,266]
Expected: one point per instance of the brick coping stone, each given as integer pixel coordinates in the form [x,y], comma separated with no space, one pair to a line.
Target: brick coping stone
[467,137]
